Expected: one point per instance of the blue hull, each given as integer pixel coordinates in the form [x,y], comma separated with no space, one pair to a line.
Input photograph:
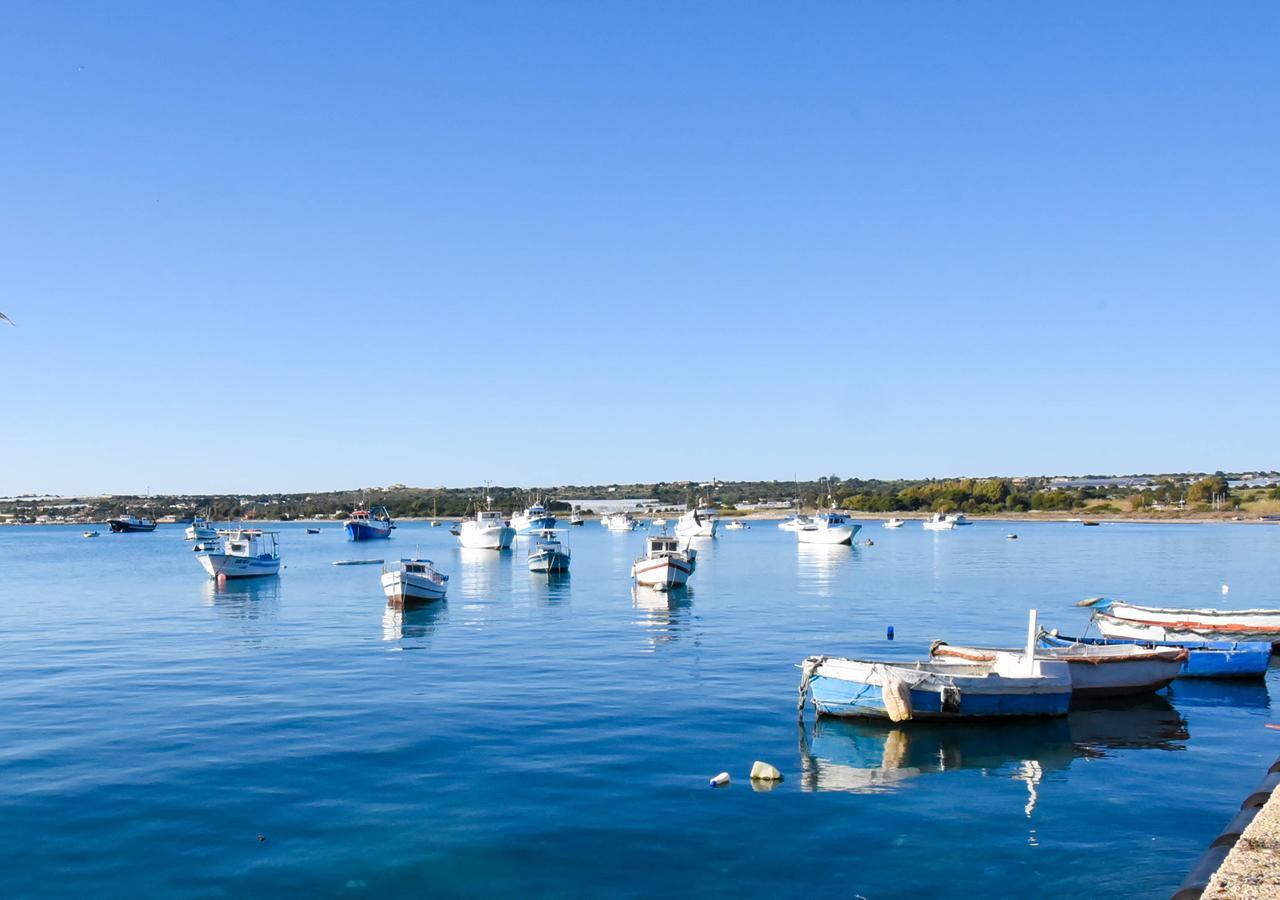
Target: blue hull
[836,697]
[1205,659]
[362,531]
[541,523]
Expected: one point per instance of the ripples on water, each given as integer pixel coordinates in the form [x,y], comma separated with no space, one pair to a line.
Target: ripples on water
[535,736]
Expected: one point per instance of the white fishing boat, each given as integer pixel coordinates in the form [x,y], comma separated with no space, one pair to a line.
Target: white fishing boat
[659,523]
[532,520]
[547,553]
[1116,619]
[413,581]
[487,530]
[699,522]
[576,518]
[828,528]
[736,525]
[1099,671]
[895,522]
[201,530]
[242,553]
[664,565]
[618,522]
[958,518]
[794,522]
[939,522]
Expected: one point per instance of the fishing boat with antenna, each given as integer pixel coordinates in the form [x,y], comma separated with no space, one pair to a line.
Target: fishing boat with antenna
[699,522]
[618,522]
[242,553]
[201,530]
[131,523]
[369,524]
[548,554]
[415,580]
[665,564]
[532,520]
[486,530]
[832,527]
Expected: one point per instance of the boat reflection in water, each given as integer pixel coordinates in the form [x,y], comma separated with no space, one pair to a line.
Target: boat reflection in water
[664,613]
[243,598]
[819,563]
[412,623]
[1220,692]
[482,574]
[868,756]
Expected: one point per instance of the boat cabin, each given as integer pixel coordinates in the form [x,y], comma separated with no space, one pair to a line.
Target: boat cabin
[250,543]
[662,545]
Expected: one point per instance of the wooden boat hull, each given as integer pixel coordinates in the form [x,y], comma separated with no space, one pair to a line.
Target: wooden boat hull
[549,561]
[1096,671]
[408,587]
[1123,620]
[1205,659]
[367,531]
[229,566]
[855,689]
[665,572]
[474,536]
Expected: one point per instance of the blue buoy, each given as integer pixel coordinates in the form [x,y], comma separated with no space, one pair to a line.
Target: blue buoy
[889,633]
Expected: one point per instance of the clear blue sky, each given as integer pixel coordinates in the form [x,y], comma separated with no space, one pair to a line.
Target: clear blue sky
[303,246]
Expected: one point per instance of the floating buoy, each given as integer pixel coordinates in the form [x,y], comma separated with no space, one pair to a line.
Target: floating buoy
[1225,590]
[222,578]
[1012,537]
[762,771]
[888,633]
[720,780]
[261,838]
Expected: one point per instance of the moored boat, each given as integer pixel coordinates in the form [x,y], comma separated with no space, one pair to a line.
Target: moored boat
[576,518]
[201,530]
[488,530]
[736,525]
[532,520]
[1154,623]
[618,522]
[699,522]
[664,565]
[413,581]
[242,553]
[129,523]
[894,522]
[548,553]
[1099,671]
[958,519]
[794,522]
[939,522]
[828,528]
[1205,659]
[90,534]
[369,524]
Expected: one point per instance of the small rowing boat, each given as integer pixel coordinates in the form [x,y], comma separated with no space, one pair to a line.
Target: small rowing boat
[664,565]
[1116,619]
[1205,659]
[1097,671]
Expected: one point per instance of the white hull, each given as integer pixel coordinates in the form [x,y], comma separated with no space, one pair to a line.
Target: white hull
[201,533]
[894,523]
[1097,671]
[943,525]
[667,572]
[224,564]
[407,586]
[549,561]
[477,536]
[618,523]
[840,535]
[1153,623]
[793,524]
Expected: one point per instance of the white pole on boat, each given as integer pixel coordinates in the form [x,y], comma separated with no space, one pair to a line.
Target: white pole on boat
[1032,634]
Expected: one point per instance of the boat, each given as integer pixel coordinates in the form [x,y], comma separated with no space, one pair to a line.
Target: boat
[939,522]
[794,522]
[1205,659]
[242,553]
[1088,523]
[313,531]
[1006,686]
[455,529]
[736,525]
[90,534]
[1116,619]
[201,530]
[958,518]
[487,530]
[534,519]
[1098,671]
[895,522]
[548,554]
[664,565]
[828,528]
[413,581]
[699,522]
[658,523]
[436,524]
[618,522]
[130,523]
[369,524]
[576,518]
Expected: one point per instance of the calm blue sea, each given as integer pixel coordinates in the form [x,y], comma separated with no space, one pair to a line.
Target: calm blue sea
[540,739]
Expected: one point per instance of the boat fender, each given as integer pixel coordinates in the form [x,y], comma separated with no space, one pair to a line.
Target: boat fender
[720,780]
[934,647]
[950,699]
[897,698]
[762,771]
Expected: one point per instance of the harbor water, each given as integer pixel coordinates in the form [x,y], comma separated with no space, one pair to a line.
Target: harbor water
[535,737]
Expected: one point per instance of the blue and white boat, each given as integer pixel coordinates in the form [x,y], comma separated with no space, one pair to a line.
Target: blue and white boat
[414,580]
[534,520]
[242,553]
[1005,686]
[201,530]
[548,553]
[369,524]
[1205,659]
[129,523]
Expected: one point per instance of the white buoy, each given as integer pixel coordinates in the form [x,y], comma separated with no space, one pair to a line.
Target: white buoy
[1225,590]
[720,780]
[764,772]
